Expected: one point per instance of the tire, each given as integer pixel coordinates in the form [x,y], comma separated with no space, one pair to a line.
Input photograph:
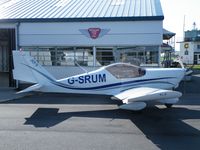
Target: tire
[168,105]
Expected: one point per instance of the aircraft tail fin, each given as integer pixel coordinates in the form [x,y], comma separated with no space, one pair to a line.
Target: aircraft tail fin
[27,69]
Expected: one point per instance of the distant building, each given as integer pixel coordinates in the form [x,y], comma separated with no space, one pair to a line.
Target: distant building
[190,47]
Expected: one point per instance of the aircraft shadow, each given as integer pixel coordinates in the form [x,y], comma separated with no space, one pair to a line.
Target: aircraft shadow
[164,127]
[58,98]
[61,98]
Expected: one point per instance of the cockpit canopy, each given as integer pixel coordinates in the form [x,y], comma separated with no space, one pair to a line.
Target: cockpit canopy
[123,70]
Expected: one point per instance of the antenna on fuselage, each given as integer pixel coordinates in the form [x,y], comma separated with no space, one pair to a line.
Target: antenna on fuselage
[75,61]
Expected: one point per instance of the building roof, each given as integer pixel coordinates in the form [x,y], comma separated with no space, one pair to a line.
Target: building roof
[80,10]
[167,34]
[192,36]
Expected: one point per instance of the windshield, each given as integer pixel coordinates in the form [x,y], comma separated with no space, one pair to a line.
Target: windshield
[122,71]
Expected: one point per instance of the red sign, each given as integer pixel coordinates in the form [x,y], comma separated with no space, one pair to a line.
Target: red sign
[94,32]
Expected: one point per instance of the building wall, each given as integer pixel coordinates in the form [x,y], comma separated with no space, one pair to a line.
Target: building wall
[68,34]
[193,48]
[8,25]
[138,33]
[188,59]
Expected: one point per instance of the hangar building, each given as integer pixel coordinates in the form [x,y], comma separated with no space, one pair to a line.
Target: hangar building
[63,34]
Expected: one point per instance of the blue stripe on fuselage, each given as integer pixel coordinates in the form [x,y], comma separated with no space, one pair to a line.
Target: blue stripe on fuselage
[127,83]
[110,85]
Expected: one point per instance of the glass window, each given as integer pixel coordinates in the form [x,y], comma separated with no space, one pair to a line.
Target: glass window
[83,56]
[104,56]
[186,52]
[153,57]
[62,56]
[138,55]
[121,71]
[42,55]
[133,55]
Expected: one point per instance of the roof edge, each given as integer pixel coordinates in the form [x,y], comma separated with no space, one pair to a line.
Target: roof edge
[98,19]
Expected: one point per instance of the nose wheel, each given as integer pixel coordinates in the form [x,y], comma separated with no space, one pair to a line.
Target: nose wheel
[168,105]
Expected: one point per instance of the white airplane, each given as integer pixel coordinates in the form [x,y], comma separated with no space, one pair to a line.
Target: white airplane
[134,86]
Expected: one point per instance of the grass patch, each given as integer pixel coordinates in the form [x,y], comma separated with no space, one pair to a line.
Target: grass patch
[194,67]
[197,67]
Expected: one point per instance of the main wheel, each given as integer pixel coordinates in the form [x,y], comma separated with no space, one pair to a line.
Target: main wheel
[168,105]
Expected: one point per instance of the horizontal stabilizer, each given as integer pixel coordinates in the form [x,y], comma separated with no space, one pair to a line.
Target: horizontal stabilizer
[34,87]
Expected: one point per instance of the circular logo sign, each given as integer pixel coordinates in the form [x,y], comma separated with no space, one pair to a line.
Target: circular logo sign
[94,32]
[186,45]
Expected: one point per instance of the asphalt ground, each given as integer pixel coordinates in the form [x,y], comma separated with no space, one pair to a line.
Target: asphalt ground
[88,122]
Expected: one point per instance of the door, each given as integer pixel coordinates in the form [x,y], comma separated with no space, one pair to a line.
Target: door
[4,64]
[197,58]
[4,57]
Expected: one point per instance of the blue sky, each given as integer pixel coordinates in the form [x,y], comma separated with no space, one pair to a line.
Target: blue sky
[174,12]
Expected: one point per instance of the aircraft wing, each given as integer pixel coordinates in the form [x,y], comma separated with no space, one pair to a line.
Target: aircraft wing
[135,98]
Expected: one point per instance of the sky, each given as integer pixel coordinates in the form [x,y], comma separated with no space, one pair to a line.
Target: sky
[174,12]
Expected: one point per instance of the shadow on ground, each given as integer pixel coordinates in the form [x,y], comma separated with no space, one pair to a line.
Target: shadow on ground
[166,128]
[53,98]
[161,126]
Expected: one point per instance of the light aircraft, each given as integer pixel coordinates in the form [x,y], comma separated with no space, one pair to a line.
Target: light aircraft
[134,86]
